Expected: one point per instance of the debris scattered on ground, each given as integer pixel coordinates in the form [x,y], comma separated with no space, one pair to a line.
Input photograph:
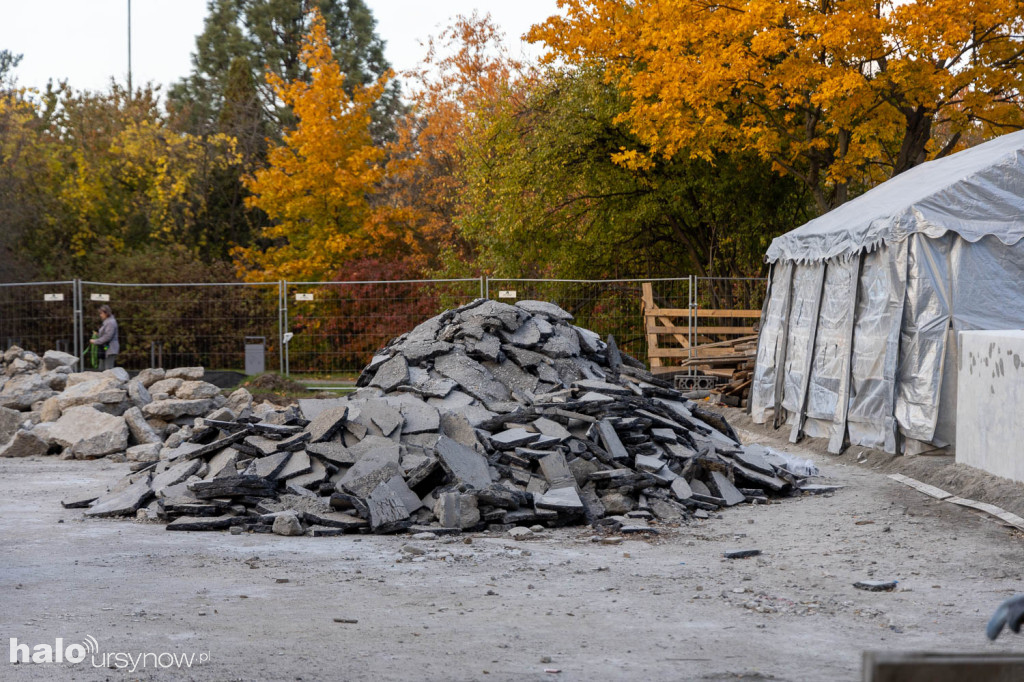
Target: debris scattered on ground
[48,408]
[876,585]
[741,553]
[491,416]
[730,362]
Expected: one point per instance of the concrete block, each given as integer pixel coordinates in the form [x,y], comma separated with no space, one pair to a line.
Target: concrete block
[990,391]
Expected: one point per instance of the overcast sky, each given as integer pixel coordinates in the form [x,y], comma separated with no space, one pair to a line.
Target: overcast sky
[85,41]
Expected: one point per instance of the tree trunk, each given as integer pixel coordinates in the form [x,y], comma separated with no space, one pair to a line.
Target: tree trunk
[915,138]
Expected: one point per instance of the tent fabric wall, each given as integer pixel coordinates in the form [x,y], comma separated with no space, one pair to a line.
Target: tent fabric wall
[923,337]
[803,321]
[883,332]
[987,284]
[830,369]
[879,314]
[770,353]
[858,340]
[831,366]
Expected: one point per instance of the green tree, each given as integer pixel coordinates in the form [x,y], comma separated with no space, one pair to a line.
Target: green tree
[268,35]
[30,175]
[242,118]
[8,62]
[543,196]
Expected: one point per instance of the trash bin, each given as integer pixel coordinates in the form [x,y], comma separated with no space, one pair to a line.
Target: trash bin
[255,355]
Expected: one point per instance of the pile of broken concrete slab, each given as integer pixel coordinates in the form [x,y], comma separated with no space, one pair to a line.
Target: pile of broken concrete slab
[490,416]
[48,407]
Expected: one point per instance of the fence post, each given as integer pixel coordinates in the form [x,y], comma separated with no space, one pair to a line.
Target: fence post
[280,324]
[483,286]
[76,321]
[487,286]
[693,312]
[287,346]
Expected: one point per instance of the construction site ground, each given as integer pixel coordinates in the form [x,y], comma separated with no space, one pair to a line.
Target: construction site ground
[479,606]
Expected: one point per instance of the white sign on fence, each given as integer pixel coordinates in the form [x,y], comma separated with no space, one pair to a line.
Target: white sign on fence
[53,297]
[507,293]
[303,297]
[99,297]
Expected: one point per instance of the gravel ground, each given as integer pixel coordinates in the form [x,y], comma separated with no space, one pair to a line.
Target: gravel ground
[562,605]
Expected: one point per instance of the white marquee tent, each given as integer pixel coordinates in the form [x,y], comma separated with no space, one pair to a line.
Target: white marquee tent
[858,339]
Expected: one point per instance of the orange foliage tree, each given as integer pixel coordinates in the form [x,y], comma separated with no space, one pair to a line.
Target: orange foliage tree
[840,94]
[467,74]
[316,186]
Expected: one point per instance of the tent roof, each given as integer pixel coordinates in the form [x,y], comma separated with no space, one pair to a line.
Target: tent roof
[975,193]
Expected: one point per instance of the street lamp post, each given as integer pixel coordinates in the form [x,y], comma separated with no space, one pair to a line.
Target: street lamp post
[129,49]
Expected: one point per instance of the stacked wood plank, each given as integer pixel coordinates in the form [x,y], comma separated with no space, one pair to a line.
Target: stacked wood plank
[731,363]
[695,344]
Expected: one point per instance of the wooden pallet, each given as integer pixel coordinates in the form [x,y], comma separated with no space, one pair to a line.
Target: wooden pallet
[677,337]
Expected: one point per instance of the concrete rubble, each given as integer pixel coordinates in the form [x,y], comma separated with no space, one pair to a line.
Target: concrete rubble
[46,407]
[490,416]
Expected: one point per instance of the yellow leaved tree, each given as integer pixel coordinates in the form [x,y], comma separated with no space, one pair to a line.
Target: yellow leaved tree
[124,179]
[839,93]
[316,186]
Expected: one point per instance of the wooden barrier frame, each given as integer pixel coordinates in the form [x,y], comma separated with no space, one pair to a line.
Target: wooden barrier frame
[682,327]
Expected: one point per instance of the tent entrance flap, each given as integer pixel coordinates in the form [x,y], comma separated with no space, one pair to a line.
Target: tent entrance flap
[923,337]
[876,335]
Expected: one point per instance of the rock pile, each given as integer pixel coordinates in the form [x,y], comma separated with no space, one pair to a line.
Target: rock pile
[488,416]
[47,407]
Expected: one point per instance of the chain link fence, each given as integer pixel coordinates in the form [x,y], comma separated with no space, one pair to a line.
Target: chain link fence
[39,316]
[337,326]
[320,329]
[184,325]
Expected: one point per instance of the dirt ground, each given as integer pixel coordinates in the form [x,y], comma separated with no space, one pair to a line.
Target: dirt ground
[483,607]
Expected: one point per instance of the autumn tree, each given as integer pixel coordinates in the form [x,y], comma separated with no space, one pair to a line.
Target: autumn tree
[840,95]
[467,74]
[316,185]
[124,181]
[543,197]
[29,176]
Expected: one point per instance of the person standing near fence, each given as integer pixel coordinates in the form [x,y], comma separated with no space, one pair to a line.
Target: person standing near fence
[106,338]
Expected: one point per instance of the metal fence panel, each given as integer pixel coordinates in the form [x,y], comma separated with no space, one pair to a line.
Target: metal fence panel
[740,293]
[337,326]
[322,327]
[38,316]
[182,325]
